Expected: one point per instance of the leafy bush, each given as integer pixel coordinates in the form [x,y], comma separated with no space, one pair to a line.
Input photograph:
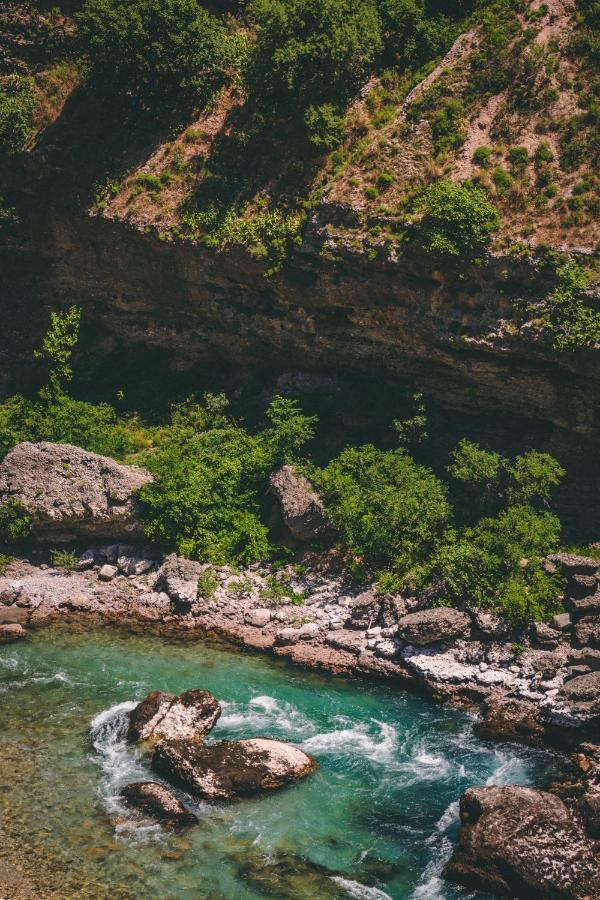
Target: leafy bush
[388,510]
[572,319]
[489,480]
[325,126]
[208,583]
[503,180]
[496,564]
[458,220]
[64,559]
[160,52]
[312,52]
[17,106]
[518,158]
[15,524]
[482,156]
[411,36]
[206,497]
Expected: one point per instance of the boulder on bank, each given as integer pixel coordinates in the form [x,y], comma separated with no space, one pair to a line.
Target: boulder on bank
[432,625]
[229,769]
[158,802]
[12,632]
[178,577]
[70,493]
[301,507]
[522,842]
[510,720]
[164,716]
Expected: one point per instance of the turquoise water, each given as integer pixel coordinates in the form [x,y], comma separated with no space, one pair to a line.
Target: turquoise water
[377,820]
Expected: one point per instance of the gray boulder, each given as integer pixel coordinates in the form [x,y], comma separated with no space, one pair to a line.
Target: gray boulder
[522,842]
[432,625]
[165,716]
[178,577]
[571,564]
[70,493]
[158,802]
[301,507]
[228,769]
[587,632]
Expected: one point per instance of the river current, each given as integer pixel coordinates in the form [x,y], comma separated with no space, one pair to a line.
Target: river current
[377,820]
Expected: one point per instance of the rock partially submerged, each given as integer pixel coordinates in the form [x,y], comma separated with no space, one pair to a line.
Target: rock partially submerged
[70,493]
[11,632]
[158,802]
[229,769]
[301,507]
[432,625]
[522,842]
[164,716]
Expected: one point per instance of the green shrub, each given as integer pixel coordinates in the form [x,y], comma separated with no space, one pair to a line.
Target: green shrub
[415,32]
[482,156]
[572,319]
[458,220]
[64,559]
[384,180]
[518,158]
[543,154]
[325,126]
[446,127]
[503,180]
[371,192]
[17,106]
[208,583]
[388,510]
[160,52]
[208,486]
[312,52]
[15,523]
[496,564]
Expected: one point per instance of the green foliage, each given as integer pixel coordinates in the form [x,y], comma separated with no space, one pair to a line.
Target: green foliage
[15,524]
[572,319]
[278,590]
[482,156]
[447,126]
[162,53]
[496,564]
[518,158]
[388,510]
[312,52]
[208,583]
[411,35]
[206,497]
[5,561]
[503,180]
[17,106]
[458,220]
[57,348]
[64,559]
[412,431]
[325,126]
[489,480]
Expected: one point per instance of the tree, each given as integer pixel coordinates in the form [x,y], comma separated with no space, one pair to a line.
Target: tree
[159,52]
[389,510]
[458,220]
[57,348]
[313,52]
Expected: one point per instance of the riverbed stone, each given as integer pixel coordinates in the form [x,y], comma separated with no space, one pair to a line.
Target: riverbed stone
[164,716]
[70,493]
[107,572]
[507,719]
[229,769]
[432,625]
[258,617]
[302,509]
[11,632]
[159,802]
[522,842]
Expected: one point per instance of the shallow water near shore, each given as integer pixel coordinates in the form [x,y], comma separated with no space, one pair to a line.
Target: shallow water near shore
[377,820]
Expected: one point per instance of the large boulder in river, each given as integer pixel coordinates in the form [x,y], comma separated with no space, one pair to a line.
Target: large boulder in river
[164,716]
[70,493]
[301,507]
[159,802]
[522,842]
[228,769]
[432,625]
[11,632]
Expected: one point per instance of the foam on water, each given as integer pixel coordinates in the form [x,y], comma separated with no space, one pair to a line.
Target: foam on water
[264,714]
[375,741]
[360,891]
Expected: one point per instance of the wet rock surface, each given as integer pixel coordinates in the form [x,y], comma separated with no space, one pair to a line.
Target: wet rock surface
[155,800]
[164,716]
[229,769]
[522,842]
[70,493]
